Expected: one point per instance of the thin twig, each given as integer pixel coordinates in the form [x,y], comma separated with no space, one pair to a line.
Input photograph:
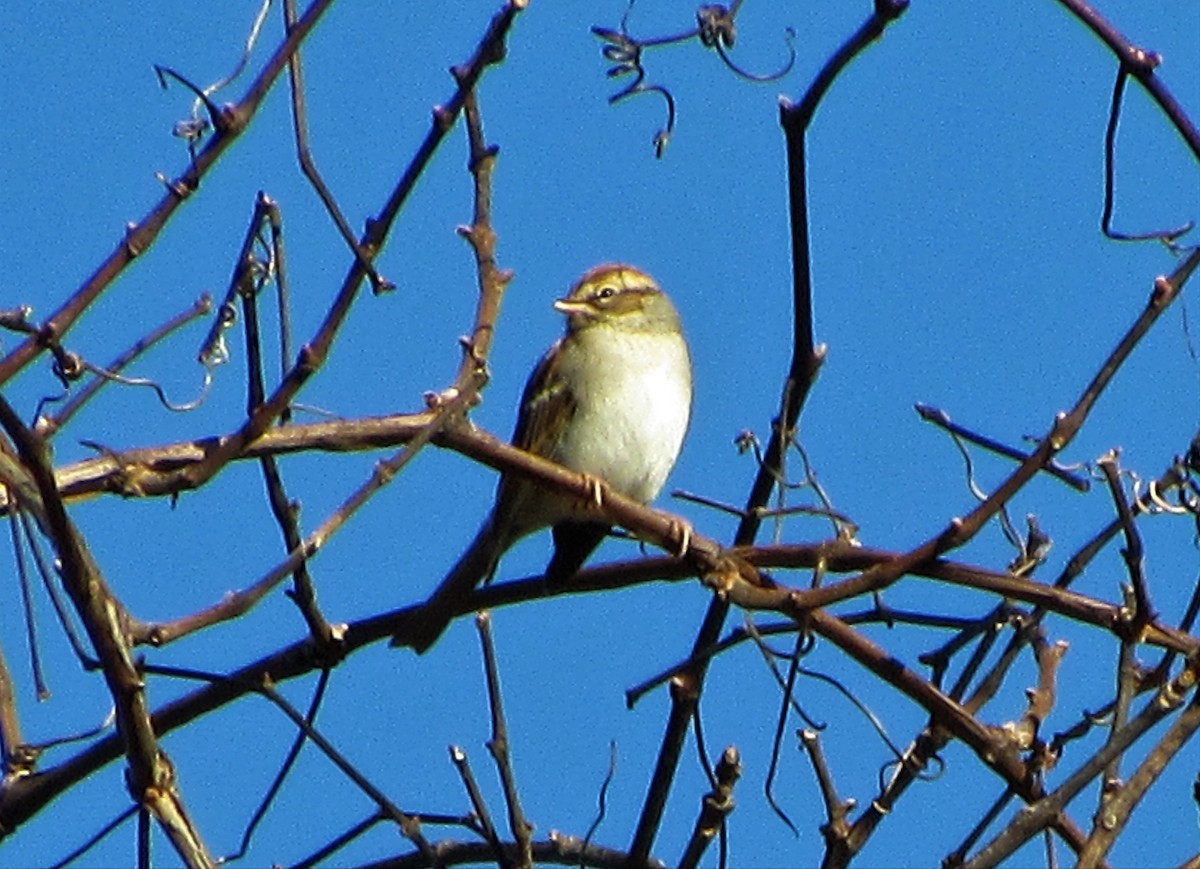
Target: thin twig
[47,425]
[498,746]
[714,808]
[802,372]
[484,818]
[1029,823]
[25,585]
[835,829]
[140,236]
[410,825]
[151,778]
[1141,65]
[309,167]
[938,417]
[321,856]
[1132,553]
[289,762]
[96,838]
[312,356]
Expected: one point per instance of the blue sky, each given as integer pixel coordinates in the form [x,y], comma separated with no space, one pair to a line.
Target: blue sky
[956,186]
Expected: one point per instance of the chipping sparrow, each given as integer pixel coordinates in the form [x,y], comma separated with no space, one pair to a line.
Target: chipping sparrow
[611,399]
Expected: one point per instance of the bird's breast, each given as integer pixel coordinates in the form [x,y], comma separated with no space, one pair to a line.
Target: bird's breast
[633,400]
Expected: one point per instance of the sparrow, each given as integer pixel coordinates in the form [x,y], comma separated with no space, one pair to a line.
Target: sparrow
[612,399]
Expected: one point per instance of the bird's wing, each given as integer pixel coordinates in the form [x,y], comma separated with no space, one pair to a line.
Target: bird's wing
[547,406]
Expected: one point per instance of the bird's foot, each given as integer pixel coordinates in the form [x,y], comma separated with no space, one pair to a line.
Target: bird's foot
[680,534]
[595,489]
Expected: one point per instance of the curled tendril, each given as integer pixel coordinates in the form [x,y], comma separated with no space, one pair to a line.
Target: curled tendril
[789,38]
[182,407]
[72,366]
[715,28]
[602,799]
[889,770]
[252,277]
[627,55]
[214,351]
[716,25]
[193,129]
[47,400]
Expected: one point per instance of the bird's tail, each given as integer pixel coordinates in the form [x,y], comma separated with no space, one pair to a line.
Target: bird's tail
[573,543]
[424,624]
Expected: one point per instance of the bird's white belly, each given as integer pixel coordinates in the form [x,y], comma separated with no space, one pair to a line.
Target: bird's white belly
[632,411]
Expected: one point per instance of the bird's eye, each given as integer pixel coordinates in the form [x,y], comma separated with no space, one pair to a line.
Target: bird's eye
[605,293]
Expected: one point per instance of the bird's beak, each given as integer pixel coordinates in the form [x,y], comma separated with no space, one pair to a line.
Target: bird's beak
[570,307]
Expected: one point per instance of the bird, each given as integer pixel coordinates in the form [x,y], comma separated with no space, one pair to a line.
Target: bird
[612,399]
